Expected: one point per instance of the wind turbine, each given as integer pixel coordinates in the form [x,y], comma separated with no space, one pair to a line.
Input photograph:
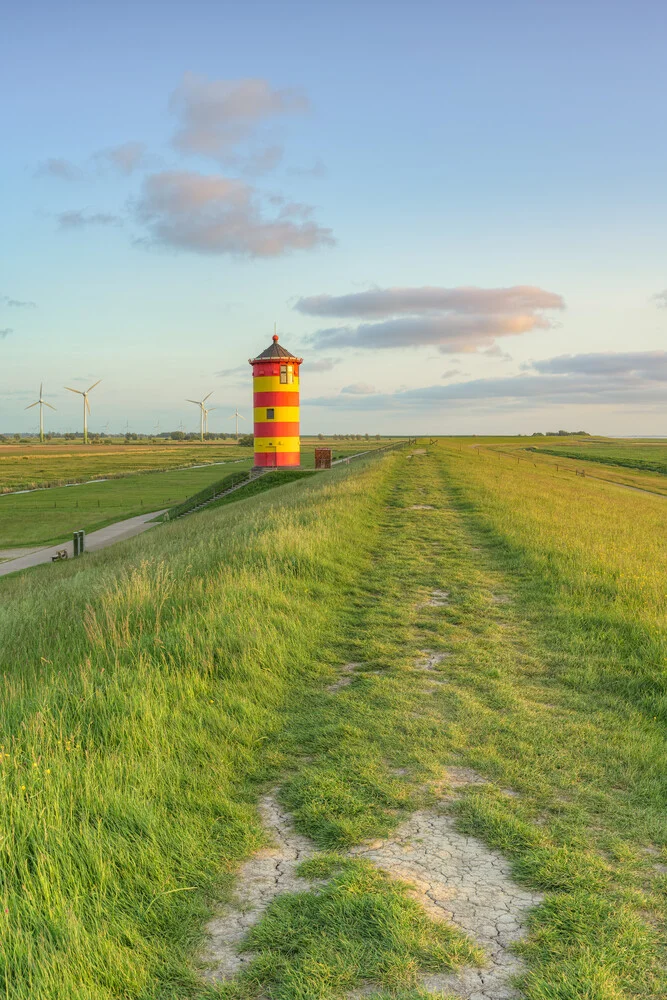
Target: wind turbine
[202,411]
[86,406]
[237,415]
[41,403]
[207,410]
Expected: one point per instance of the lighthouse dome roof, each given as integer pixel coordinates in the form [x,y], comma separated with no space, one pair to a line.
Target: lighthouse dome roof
[275,350]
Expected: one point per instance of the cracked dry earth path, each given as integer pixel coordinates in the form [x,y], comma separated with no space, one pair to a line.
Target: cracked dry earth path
[455,878]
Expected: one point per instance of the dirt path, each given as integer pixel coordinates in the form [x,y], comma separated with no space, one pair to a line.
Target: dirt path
[454,877]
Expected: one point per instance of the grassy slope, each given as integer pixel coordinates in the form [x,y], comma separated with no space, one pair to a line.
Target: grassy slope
[151,723]
[47,516]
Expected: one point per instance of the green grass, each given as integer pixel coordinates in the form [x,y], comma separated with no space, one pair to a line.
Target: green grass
[140,730]
[48,516]
[626,454]
[217,486]
[32,466]
[268,481]
[59,463]
[359,927]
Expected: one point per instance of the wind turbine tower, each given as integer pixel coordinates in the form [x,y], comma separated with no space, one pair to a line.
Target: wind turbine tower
[86,406]
[41,402]
[202,412]
[237,415]
[207,410]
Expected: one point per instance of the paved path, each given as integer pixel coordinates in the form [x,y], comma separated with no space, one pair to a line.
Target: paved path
[95,540]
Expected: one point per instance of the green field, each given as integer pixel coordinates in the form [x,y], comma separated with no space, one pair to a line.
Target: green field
[51,515]
[152,692]
[34,465]
[31,466]
[642,455]
[47,516]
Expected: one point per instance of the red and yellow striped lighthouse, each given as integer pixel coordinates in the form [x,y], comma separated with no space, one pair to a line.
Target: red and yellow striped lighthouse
[276,407]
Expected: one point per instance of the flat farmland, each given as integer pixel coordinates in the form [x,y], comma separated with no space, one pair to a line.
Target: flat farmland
[646,456]
[638,464]
[30,466]
[46,516]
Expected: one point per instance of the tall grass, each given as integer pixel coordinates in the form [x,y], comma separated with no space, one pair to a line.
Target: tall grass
[593,554]
[141,699]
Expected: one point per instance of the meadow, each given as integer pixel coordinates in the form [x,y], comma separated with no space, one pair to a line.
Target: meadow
[643,455]
[47,516]
[627,463]
[28,466]
[154,690]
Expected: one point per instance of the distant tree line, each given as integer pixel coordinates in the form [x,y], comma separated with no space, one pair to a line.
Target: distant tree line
[539,434]
[349,437]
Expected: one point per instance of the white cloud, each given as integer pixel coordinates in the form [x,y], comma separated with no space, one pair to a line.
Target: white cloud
[456,320]
[5,332]
[380,303]
[587,379]
[17,303]
[126,158]
[651,365]
[661,299]
[318,169]
[62,169]
[78,219]
[212,214]
[216,116]
[359,389]
[322,365]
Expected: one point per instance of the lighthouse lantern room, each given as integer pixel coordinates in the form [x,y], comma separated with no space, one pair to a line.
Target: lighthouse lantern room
[276,407]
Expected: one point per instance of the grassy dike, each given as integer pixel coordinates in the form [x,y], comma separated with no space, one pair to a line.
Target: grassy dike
[139,728]
[142,696]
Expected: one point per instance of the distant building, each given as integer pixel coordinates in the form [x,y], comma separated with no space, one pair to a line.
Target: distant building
[276,407]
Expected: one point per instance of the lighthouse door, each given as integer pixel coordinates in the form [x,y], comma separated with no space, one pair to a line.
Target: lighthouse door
[271,457]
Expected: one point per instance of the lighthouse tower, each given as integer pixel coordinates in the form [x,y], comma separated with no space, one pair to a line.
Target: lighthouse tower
[276,407]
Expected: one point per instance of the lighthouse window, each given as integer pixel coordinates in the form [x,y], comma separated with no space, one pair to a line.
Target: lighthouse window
[270,413]
[286,374]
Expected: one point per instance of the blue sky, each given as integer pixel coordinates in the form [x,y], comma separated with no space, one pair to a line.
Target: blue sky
[175,178]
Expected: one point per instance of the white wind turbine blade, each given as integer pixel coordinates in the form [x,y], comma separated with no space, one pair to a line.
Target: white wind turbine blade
[74,390]
[94,384]
[34,404]
[86,403]
[41,386]
[206,397]
[195,401]
[47,404]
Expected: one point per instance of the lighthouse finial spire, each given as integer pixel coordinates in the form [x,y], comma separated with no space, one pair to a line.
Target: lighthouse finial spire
[275,335]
